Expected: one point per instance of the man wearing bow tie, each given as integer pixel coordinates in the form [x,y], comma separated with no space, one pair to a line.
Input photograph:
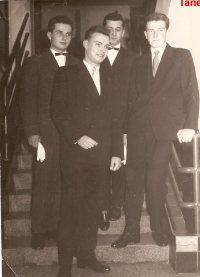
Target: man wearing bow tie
[120,60]
[163,106]
[36,88]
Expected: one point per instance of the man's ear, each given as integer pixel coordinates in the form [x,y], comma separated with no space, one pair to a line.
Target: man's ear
[49,35]
[123,33]
[85,44]
[145,33]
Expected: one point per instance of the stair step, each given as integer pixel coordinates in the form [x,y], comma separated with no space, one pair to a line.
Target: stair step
[24,161]
[23,179]
[117,227]
[20,200]
[17,252]
[18,224]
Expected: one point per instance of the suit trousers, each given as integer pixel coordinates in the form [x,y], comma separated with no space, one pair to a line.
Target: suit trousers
[82,199]
[115,194]
[45,206]
[147,173]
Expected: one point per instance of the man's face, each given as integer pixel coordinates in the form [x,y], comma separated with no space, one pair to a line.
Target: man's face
[116,31]
[156,33]
[61,37]
[96,48]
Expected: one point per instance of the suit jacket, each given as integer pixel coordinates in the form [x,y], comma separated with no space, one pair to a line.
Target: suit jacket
[170,102]
[121,72]
[78,110]
[36,89]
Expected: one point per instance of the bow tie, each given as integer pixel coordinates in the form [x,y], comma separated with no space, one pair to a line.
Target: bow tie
[64,54]
[113,48]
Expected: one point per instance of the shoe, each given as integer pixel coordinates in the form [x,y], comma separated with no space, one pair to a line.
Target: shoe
[104,223]
[125,239]
[93,264]
[160,238]
[114,213]
[37,241]
[51,235]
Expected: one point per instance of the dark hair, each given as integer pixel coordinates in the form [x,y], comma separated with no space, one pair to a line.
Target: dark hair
[157,17]
[59,19]
[114,17]
[96,29]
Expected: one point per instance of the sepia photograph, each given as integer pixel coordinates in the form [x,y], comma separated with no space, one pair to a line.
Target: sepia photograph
[100,142]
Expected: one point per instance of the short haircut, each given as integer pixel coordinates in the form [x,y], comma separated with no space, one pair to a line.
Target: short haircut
[59,19]
[157,17]
[114,17]
[96,29]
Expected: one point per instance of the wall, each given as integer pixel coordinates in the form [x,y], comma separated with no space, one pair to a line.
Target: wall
[90,15]
[163,6]
[17,11]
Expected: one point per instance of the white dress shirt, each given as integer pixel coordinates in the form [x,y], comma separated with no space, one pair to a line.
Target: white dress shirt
[112,54]
[94,74]
[61,59]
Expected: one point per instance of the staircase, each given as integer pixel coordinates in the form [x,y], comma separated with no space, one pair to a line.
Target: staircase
[16,246]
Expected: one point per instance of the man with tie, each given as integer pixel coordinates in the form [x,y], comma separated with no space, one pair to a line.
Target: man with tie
[86,114]
[36,88]
[163,106]
[120,60]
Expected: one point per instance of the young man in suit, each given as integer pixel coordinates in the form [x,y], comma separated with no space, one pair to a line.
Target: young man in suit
[87,117]
[120,60]
[36,88]
[163,106]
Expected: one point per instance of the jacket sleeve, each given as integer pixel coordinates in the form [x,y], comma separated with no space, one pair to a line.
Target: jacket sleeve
[190,91]
[132,95]
[117,148]
[28,97]
[61,105]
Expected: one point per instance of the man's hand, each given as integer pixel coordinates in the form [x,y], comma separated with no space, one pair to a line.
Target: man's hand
[87,142]
[185,135]
[34,140]
[115,163]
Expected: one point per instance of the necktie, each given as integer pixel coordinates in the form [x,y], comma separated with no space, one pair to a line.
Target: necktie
[113,48]
[93,71]
[155,63]
[64,54]
[95,78]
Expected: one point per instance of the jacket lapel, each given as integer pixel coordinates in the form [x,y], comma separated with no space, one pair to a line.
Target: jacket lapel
[164,68]
[144,77]
[119,59]
[87,81]
[105,79]
[51,60]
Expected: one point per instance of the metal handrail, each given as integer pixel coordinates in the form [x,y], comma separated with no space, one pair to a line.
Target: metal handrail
[9,98]
[195,170]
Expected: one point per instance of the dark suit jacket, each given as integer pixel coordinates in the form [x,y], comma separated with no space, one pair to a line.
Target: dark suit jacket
[121,71]
[170,101]
[36,89]
[78,110]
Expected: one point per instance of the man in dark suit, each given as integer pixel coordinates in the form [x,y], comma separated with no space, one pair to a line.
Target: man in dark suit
[163,106]
[120,60]
[36,88]
[87,117]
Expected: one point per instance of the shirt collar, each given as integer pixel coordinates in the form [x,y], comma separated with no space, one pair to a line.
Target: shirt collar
[53,51]
[161,49]
[89,66]
[116,46]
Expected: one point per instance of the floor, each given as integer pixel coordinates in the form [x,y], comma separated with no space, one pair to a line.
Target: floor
[146,269]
